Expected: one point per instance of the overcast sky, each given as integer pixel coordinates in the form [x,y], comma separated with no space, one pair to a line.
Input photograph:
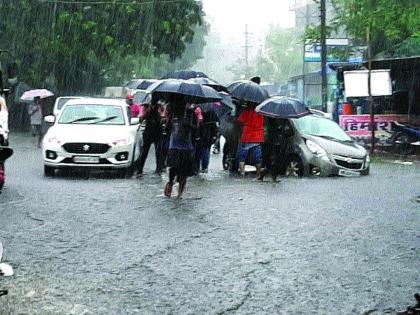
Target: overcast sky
[230,16]
[227,19]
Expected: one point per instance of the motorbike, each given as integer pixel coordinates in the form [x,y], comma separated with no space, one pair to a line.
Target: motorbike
[5,270]
[405,139]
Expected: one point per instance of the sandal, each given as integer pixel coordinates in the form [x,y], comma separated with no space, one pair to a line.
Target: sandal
[168,189]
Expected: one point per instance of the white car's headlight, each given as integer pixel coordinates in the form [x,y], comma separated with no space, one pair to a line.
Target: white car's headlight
[122,141]
[367,159]
[53,140]
[317,150]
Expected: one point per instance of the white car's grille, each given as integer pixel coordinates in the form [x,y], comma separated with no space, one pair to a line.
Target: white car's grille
[86,148]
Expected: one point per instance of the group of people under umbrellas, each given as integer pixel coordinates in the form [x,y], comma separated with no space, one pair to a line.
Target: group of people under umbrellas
[181,120]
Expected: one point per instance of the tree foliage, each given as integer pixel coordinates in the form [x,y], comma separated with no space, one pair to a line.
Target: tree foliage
[80,45]
[391,22]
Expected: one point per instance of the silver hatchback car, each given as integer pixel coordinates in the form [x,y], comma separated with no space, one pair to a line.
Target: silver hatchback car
[317,146]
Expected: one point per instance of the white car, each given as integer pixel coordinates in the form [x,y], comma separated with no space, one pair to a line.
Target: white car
[91,133]
[61,101]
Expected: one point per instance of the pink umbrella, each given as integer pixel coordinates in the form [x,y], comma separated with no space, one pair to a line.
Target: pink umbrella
[30,95]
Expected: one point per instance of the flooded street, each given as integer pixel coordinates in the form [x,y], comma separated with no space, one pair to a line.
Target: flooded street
[101,245]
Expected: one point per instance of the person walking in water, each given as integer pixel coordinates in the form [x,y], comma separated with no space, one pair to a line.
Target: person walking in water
[151,135]
[35,113]
[252,137]
[183,123]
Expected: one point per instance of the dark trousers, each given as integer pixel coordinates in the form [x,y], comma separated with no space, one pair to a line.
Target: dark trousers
[201,156]
[148,140]
[274,159]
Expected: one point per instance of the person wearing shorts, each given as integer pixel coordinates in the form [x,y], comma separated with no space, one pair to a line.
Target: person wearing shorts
[251,138]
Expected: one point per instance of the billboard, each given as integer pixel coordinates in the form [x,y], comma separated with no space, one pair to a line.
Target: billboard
[356,83]
[336,48]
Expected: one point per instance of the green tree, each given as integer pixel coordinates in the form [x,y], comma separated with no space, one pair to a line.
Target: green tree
[78,43]
[391,22]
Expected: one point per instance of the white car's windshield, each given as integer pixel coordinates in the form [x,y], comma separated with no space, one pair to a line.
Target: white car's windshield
[321,127]
[92,114]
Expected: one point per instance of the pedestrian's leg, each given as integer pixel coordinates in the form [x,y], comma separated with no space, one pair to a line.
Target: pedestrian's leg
[147,142]
[197,157]
[158,154]
[170,183]
[205,159]
[182,184]
[243,153]
[258,159]
[39,129]
[277,161]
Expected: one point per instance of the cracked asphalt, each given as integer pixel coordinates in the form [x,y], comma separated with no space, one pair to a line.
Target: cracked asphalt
[100,245]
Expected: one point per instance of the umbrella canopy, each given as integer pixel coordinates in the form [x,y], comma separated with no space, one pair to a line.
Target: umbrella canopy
[140,84]
[248,91]
[209,82]
[31,94]
[184,75]
[221,108]
[193,92]
[282,107]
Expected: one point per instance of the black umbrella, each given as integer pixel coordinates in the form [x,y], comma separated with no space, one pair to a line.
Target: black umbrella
[192,92]
[234,84]
[248,91]
[221,108]
[184,75]
[141,97]
[5,153]
[209,82]
[140,84]
[282,107]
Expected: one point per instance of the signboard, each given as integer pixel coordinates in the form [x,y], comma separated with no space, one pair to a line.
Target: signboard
[358,127]
[313,50]
[356,83]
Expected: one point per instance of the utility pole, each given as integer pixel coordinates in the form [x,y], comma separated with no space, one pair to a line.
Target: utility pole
[371,107]
[247,46]
[303,56]
[324,57]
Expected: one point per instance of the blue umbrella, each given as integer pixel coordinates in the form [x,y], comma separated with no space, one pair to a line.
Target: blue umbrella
[184,75]
[282,107]
[248,91]
[192,92]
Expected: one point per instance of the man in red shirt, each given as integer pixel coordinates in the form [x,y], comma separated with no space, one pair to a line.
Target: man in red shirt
[252,137]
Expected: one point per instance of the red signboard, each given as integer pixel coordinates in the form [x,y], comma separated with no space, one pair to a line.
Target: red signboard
[358,126]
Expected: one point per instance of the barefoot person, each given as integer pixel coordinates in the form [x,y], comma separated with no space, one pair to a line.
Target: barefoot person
[183,123]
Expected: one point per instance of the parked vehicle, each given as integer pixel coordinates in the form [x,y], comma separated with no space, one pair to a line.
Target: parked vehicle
[91,133]
[312,145]
[405,139]
[318,146]
[5,270]
[60,101]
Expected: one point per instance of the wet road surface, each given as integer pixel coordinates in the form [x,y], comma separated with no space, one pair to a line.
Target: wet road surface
[101,245]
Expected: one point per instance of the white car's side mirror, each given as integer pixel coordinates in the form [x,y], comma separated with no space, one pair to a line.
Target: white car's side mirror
[134,121]
[49,119]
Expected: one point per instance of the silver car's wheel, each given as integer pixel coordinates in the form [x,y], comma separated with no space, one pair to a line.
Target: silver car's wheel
[294,167]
